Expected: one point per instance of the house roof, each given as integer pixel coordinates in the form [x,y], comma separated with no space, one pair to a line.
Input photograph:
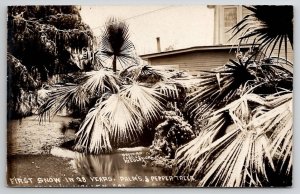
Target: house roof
[193,49]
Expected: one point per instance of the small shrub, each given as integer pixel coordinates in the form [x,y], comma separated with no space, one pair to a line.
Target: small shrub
[171,134]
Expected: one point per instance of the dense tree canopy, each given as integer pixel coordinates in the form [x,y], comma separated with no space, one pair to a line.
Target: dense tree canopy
[44,40]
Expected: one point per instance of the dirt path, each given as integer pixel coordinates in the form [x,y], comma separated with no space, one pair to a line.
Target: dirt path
[28,136]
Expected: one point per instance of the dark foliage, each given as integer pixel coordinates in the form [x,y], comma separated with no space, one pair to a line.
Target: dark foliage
[46,41]
[45,38]
[20,89]
[269,25]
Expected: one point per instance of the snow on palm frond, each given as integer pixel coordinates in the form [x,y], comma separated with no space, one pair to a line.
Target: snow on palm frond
[219,87]
[142,73]
[60,97]
[278,120]
[188,155]
[239,155]
[244,152]
[94,84]
[115,43]
[169,89]
[98,82]
[123,117]
[242,161]
[113,118]
[222,86]
[282,139]
[93,135]
[145,99]
[120,116]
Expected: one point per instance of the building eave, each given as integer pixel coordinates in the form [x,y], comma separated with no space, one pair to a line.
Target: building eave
[193,49]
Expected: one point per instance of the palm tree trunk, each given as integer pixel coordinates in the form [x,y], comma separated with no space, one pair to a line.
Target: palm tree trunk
[115,64]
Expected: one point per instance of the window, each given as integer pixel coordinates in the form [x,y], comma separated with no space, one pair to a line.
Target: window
[228,17]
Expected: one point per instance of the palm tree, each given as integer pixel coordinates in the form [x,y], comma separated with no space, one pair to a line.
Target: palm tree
[115,43]
[121,107]
[248,105]
[124,107]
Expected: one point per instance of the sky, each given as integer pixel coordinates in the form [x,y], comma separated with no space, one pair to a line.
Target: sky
[177,26]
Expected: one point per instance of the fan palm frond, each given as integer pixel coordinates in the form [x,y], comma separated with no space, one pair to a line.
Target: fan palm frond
[113,119]
[93,135]
[188,155]
[242,161]
[147,100]
[99,82]
[261,133]
[96,60]
[123,117]
[120,116]
[278,121]
[93,85]
[115,43]
[60,97]
[269,25]
[219,87]
[169,89]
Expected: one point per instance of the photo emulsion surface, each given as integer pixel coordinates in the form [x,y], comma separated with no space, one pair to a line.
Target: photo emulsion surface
[150,96]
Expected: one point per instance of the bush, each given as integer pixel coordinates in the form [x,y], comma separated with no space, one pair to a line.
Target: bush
[172,133]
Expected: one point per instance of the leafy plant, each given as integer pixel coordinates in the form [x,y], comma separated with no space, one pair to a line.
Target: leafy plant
[44,37]
[46,40]
[21,94]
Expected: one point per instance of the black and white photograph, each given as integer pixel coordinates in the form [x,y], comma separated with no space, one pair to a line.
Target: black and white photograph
[149,96]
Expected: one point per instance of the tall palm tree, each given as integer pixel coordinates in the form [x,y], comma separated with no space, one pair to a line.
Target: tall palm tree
[115,43]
